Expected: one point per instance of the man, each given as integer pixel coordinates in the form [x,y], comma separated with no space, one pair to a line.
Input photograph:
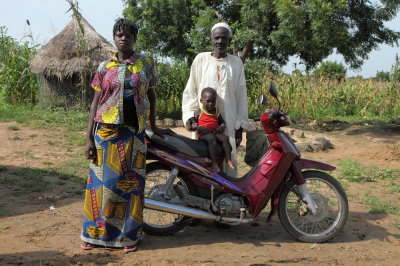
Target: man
[224,73]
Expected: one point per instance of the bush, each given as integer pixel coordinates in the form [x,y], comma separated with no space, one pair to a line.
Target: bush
[173,78]
[331,70]
[395,72]
[17,84]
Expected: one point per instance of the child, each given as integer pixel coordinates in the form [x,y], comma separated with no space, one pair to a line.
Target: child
[210,127]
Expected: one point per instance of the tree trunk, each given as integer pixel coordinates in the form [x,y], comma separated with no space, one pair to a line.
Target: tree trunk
[246,50]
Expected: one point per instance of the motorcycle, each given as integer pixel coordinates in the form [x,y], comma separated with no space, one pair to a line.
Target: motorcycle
[180,186]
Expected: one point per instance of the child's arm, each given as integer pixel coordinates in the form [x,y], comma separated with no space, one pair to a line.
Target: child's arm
[191,123]
[222,125]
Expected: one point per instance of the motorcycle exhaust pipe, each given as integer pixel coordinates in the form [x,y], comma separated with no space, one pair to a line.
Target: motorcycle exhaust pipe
[191,212]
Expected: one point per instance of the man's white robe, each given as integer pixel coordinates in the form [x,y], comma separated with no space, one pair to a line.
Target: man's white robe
[226,76]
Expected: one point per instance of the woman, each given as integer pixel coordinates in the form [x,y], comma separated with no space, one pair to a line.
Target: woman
[124,97]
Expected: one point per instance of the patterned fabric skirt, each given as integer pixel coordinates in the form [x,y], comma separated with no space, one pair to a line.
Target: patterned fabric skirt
[113,208]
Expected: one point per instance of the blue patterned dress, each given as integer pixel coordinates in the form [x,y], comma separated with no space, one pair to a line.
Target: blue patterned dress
[113,207]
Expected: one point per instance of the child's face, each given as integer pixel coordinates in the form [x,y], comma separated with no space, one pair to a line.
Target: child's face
[208,101]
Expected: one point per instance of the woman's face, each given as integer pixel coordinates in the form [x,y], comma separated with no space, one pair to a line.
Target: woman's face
[124,40]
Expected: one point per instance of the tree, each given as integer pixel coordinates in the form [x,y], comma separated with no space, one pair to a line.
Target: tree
[273,30]
[331,70]
[395,72]
[382,76]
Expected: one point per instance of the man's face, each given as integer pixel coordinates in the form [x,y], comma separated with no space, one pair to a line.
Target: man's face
[208,100]
[220,39]
[124,40]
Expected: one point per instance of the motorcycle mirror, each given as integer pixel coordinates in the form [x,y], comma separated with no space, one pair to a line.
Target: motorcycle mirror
[262,99]
[273,90]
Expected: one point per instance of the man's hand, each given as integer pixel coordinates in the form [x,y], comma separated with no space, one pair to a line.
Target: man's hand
[238,136]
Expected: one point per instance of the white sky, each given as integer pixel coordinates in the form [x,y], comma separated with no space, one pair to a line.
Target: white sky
[48,17]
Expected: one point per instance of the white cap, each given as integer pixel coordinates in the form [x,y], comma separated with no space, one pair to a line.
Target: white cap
[223,25]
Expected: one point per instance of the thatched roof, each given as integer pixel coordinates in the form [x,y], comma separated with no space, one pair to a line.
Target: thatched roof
[62,56]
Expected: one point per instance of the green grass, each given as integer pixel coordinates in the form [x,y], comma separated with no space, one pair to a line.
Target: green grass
[14,128]
[26,153]
[48,118]
[354,172]
[54,142]
[3,227]
[396,223]
[378,206]
[395,188]
[25,180]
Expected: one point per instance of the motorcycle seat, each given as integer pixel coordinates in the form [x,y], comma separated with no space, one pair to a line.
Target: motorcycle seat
[185,145]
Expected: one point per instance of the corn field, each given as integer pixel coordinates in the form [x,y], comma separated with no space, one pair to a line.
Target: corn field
[322,98]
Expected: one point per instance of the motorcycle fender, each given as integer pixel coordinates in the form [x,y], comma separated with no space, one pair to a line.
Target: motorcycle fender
[302,164]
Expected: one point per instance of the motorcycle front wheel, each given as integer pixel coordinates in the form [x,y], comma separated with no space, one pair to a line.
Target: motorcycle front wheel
[332,210]
[159,223]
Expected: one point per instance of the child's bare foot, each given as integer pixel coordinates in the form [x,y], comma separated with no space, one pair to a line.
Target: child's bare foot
[230,164]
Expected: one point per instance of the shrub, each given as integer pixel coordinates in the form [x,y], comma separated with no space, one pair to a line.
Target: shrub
[382,76]
[173,78]
[331,70]
[17,84]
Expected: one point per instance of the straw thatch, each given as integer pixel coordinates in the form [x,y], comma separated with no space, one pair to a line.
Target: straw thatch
[63,56]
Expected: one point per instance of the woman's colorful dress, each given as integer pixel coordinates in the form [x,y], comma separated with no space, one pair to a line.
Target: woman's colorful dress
[113,207]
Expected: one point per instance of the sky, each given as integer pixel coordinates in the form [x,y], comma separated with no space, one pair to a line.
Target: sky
[48,17]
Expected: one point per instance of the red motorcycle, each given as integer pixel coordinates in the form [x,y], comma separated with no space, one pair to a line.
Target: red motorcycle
[311,204]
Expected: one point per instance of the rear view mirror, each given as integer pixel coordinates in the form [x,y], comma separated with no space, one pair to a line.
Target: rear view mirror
[273,90]
[262,99]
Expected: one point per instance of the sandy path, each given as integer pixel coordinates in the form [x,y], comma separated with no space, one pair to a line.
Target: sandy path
[32,234]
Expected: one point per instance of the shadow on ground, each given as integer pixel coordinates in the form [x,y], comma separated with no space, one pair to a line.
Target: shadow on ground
[359,227]
[57,258]
[26,189]
[372,129]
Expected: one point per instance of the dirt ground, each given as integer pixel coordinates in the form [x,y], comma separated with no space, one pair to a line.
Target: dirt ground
[43,228]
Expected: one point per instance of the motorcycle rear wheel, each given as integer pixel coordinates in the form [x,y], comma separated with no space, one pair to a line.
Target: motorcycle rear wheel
[332,211]
[159,223]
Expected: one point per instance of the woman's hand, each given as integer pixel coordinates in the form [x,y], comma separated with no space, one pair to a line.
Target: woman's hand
[90,149]
[162,131]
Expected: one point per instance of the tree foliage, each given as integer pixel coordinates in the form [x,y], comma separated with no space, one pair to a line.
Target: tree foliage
[331,70]
[268,29]
[382,76]
[395,72]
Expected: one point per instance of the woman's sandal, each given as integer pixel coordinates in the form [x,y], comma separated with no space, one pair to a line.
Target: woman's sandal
[130,249]
[87,246]
[135,247]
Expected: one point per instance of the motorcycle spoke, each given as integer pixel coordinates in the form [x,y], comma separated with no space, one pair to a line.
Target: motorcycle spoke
[327,213]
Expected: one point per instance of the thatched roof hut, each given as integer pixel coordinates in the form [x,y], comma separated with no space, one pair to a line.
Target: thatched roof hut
[66,64]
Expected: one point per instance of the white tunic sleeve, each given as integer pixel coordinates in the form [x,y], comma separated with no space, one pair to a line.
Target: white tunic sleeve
[241,102]
[190,94]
